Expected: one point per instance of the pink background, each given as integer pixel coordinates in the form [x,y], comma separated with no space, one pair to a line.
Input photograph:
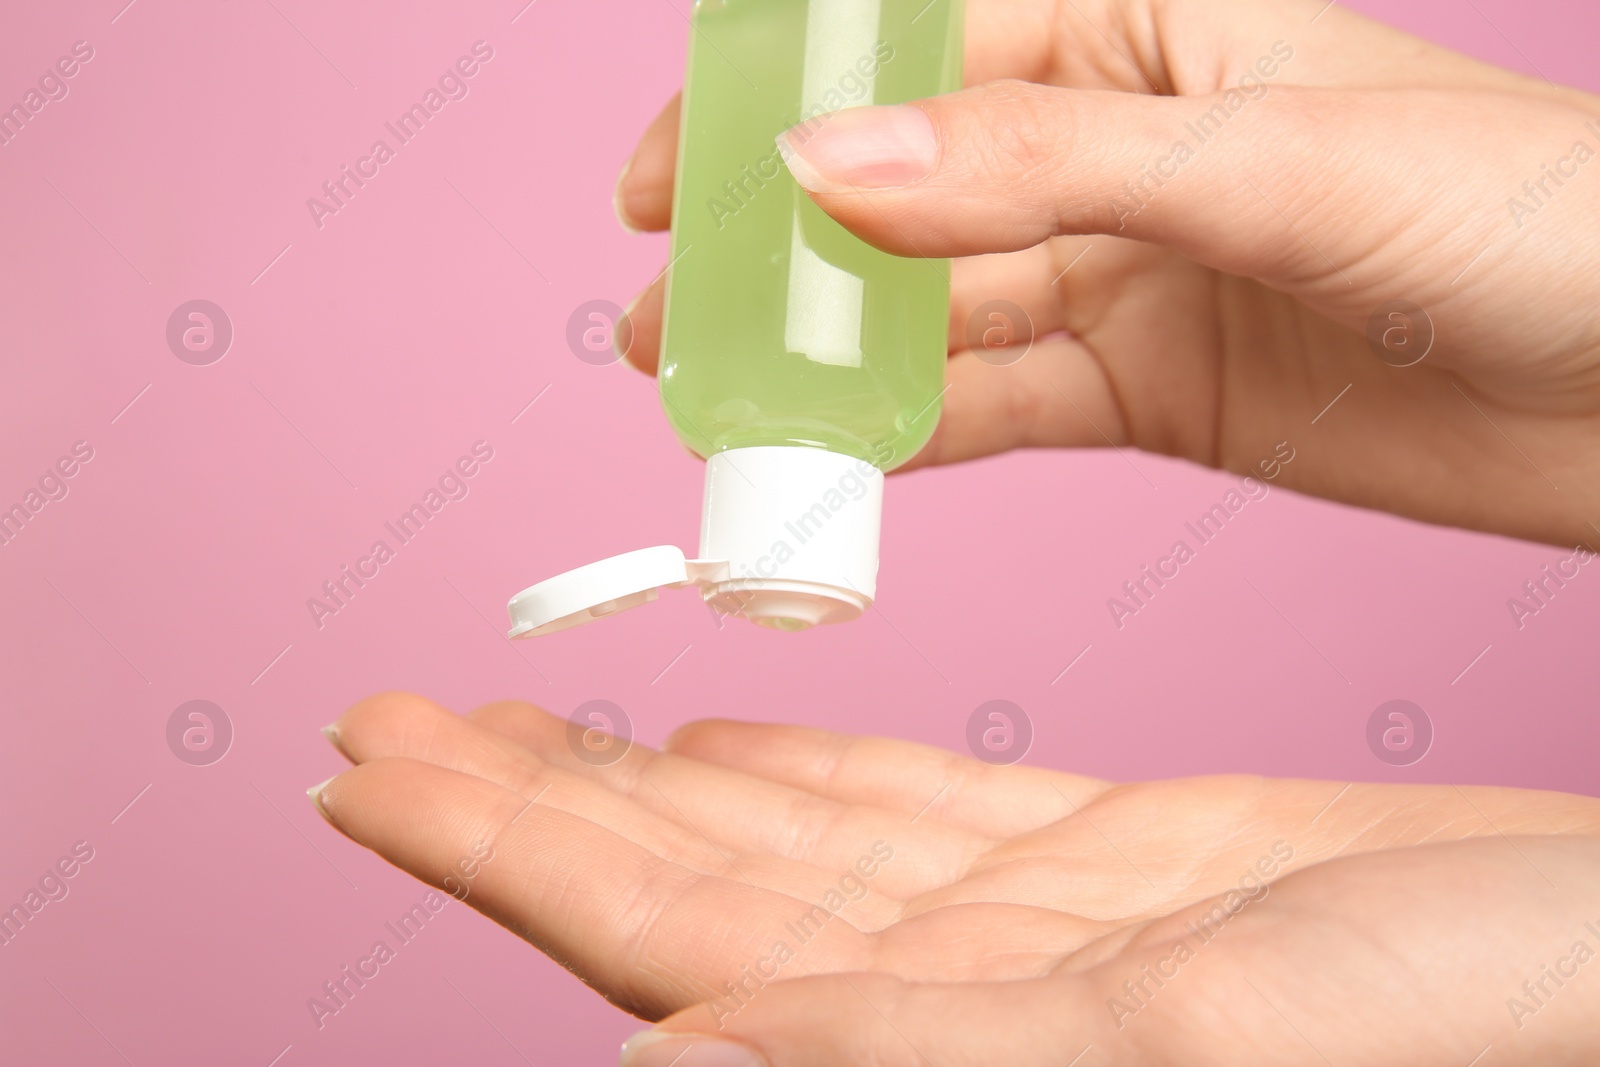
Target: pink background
[407,328]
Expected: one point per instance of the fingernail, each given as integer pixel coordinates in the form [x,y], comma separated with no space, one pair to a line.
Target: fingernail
[315,793]
[659,1048]
[616,199]
[331,732]
[861,148]
[622,332]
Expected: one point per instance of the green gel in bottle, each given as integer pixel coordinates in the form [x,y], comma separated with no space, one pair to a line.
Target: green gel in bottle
[781,327]
[799,361]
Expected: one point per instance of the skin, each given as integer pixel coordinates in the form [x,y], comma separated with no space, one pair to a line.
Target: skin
[1393,927]
[1232,308]
[1369,925]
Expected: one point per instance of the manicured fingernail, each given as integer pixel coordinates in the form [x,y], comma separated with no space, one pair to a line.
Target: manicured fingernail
[658,1048]
[315,793]
[622,332]
[331,732]
[861,148]
[616,200]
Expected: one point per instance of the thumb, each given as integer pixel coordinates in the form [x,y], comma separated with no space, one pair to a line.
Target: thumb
[1002,166]
[878,1019]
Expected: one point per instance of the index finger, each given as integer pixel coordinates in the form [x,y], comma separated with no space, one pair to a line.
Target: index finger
[650,934]
[1180,48]
[1004,39]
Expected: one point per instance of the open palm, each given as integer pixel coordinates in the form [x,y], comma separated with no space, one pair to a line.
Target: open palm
[830,899]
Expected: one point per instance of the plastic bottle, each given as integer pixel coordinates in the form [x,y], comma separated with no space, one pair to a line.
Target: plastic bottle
[800,361]
[781,327]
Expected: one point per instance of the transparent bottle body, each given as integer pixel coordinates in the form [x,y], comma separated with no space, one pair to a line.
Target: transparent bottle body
[781,327]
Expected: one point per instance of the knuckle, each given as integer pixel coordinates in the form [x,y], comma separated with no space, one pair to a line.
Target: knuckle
[388,706]
[1027,128]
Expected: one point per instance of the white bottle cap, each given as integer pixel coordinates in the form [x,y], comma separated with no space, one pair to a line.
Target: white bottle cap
[788,539]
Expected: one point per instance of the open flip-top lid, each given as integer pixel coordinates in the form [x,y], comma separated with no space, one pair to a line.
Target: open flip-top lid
[606,587]
[788,540]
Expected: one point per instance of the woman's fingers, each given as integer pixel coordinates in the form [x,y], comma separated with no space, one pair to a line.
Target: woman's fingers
[1057,396]
[649,934]
[1004,166]
[1204,47]
[402,725]
[749,815]
[413,727]
[1029,281]
[644,189]
[638,336]
[1182,48]
[917,780]
[1425,972]
[888,1022]
[1005,39]
[1255,184]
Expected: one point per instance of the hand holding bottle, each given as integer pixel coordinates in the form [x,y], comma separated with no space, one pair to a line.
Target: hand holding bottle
[1223,219]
